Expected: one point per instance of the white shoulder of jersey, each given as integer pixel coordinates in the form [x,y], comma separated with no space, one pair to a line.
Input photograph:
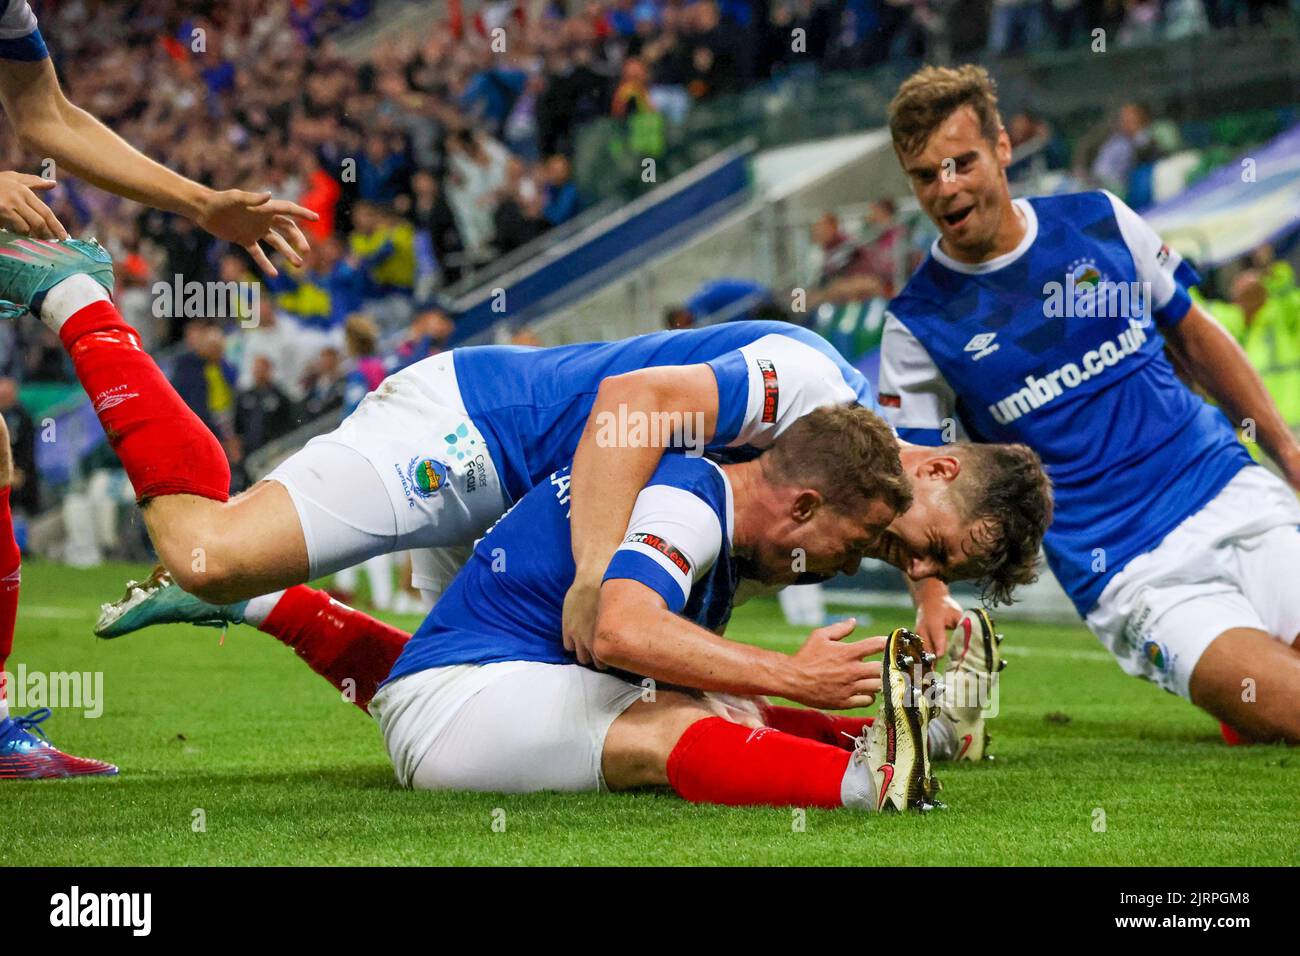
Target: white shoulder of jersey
[912,391]
[16,20]
[1154,260]
[678,531]
[787,380]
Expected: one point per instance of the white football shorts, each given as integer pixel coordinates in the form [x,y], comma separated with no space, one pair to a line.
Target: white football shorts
[1230,565]
[509,727]
[407,470]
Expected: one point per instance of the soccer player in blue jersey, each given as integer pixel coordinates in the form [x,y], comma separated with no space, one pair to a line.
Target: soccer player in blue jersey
[1044,321]
[51,127]
[485,696]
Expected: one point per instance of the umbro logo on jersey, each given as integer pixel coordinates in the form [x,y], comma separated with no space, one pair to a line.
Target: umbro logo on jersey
[982,345]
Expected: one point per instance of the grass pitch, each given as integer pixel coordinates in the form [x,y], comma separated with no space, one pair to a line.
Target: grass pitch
[238,754]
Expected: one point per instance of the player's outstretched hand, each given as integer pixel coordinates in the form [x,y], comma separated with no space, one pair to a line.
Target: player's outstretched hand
[249,219]
[936,616]
[23,212]
[581,603]
[831,674]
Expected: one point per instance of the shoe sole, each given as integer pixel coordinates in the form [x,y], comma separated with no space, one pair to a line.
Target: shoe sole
[909,718]
[137,593]
[990,640]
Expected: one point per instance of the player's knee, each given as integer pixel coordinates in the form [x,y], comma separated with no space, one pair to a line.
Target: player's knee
[211,572]
[639,742]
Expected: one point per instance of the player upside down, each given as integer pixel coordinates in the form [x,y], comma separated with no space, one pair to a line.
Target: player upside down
[485,697]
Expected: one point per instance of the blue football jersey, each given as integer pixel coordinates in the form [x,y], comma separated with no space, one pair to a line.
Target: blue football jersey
[532,404]
[19,37]
[1056,344]
[507,603]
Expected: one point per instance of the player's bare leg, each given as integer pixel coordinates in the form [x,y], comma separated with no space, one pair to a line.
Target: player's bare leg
[225,551]
[1251,681]
[219,548]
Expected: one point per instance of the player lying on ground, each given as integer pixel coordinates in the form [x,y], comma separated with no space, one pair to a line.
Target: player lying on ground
[1177,550]
[485,696]
[52,128]
[25,754]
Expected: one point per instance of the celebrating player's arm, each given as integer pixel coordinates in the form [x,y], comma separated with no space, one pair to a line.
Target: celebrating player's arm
[638,633]
[607,476]
[745,397]
[23,211]
[674,541]
[50,126]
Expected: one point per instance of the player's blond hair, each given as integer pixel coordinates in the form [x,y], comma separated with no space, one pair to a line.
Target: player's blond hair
[932,94]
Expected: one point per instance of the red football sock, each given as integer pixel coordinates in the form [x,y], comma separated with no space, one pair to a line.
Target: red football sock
[164,447]
[10,575]
[717,761]
[350,649]
[833,729]
[1234,737]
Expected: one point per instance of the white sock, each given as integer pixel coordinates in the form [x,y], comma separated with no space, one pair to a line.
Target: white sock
[4,707]
[260,608]
[69,297]
[858,788]
[942,739]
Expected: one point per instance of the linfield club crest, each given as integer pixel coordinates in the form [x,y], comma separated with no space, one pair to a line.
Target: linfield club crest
[426,476]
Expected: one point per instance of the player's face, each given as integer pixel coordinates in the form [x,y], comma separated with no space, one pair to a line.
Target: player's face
[931,539]
[959,179]
[818,543]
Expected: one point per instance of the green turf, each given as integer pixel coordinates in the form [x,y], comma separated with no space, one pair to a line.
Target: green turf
[285,772]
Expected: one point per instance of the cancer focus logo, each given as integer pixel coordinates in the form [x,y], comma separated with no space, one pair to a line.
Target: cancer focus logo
[426,476]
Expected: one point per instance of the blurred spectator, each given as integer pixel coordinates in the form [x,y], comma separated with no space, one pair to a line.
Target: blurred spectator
[263,412]
[436,234]
[478,170]
[518,219]
[885,242]
[1129,143]
[204,379]
[280,342]
[26,493]
[324,384]
[725,299]
[365,368]
[427,335]
[1271,338]
[1016,27]
[559,193]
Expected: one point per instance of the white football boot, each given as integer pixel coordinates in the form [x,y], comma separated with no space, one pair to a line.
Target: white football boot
[890,766]
[971,685]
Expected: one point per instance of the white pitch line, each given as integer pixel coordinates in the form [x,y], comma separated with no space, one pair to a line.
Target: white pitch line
[1062,653]
[59,612]
[1010,650]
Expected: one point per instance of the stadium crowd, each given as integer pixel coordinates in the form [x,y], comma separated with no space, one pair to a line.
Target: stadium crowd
[442,151]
